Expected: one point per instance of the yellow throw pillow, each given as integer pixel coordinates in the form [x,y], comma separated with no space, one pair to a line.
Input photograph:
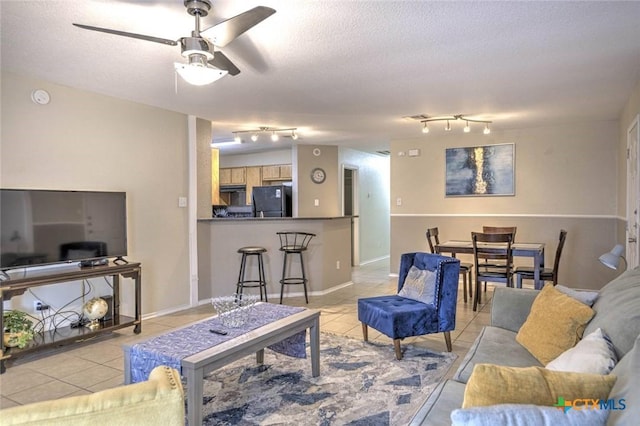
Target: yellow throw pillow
[556,323]
[494,384]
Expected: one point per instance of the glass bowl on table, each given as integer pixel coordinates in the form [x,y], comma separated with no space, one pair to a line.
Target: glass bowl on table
[234,311]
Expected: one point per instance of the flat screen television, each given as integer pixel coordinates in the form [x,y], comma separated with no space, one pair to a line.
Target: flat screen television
[41,227]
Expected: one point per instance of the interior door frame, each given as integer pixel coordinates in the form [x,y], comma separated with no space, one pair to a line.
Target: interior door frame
[355,220]
[633,200]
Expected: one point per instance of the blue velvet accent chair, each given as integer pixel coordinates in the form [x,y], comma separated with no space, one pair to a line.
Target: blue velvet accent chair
[399,317]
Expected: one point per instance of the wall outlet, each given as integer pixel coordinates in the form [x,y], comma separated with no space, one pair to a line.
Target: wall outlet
[316,202]
[398,201]
[182,201]
[337,264]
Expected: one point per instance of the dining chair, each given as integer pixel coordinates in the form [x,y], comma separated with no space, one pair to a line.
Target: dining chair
[546,274]
[498,246]
[489,261]
[465,268]
[501,230]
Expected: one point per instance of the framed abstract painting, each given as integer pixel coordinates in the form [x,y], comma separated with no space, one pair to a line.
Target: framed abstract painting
[480,171]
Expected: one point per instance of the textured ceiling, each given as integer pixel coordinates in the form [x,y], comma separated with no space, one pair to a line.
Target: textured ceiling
[346,72]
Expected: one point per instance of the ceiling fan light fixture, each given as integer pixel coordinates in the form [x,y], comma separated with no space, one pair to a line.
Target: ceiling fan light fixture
[197,74]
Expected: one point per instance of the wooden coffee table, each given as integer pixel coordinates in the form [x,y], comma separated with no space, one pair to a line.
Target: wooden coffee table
[196,366]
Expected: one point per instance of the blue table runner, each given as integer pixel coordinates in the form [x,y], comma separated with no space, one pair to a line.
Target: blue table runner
[171,348]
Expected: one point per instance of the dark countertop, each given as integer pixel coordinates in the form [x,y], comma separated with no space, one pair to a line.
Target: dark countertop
[264,219]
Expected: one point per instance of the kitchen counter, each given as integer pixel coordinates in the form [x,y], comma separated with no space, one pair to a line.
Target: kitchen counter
[327,259]
[274,218]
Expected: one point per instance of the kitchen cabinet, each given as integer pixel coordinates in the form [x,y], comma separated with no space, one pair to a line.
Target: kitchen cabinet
[233,176]
[280,172]
[285,171]
[254,178]
[238,175]
[225,176]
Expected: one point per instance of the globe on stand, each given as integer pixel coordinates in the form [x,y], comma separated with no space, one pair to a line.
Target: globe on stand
[95,309]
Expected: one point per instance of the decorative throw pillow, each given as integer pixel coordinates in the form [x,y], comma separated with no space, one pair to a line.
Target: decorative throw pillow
[495,384]
[593,354]
[555,323]
[586,297]
[420,285]
[526,415]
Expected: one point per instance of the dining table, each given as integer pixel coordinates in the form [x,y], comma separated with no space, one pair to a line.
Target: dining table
[534,250]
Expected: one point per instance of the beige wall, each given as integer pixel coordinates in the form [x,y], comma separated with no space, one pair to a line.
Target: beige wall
[204,172]
[84,141]
[306,191]
[265,158]
[564,175]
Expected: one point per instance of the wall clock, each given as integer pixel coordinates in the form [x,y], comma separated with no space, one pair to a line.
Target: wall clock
[318,175]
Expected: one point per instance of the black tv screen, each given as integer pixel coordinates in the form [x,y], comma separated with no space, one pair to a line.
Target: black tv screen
[39,227]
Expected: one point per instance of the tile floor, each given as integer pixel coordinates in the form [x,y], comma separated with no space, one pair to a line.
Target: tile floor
[98,364]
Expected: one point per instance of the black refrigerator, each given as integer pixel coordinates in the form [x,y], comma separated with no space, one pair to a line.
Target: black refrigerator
[271,201]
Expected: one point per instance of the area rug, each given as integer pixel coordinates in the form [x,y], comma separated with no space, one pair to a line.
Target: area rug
[359,384]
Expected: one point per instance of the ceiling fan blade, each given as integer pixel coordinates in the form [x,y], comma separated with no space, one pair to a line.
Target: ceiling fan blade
[132,35]
[226,31]
[220,61]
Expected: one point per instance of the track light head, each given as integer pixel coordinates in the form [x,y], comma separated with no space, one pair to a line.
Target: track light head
[467,129]
[274,137]
[447,128]
[425,128]
[486,130]
[294,135]
[254,137]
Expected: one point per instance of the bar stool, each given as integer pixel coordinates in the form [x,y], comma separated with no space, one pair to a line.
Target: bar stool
[260,282]
[294,243]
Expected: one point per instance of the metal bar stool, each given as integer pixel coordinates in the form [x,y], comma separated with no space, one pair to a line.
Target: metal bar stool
[260,282]
[294,243]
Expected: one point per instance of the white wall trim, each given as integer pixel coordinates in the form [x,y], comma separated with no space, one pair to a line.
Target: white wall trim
[568,216]
[192,206]
[377,259]
[276,296]
[164,312]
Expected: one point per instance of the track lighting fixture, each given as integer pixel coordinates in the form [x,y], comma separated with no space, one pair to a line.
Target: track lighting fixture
[255,133]
[425,119]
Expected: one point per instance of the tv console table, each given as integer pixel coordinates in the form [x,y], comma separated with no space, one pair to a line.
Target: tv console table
[68,335]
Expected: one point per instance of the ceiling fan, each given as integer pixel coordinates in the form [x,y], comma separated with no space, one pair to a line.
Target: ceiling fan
[205,63]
